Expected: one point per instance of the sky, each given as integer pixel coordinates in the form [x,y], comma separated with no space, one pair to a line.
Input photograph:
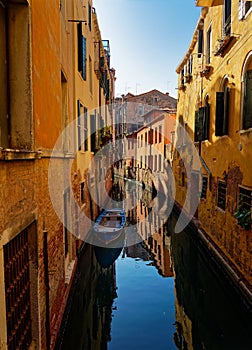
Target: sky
[148,39]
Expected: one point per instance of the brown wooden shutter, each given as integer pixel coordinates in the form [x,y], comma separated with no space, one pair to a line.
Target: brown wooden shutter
[247,102]
[226,111]
[219,113]
[196,127]
[80,48]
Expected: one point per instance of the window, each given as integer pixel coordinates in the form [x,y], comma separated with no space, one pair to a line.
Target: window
[81,52]
[64,111]
[90,76]
[15,82]
[222,112]
[243,213]
[141,140]
[227,17]
[160,133]
[146,139]
[82,192]
[93,131]
[245,198]
[190,63]
[150,141]
[221,195]
[89,17]
[204,187]
[200,42]
[208,45]
[155,135]
[17,291]
[82,127]
[247,99]
[244,7]
[201,127]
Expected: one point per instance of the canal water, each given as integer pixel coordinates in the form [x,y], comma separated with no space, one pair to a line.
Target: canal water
[163,293]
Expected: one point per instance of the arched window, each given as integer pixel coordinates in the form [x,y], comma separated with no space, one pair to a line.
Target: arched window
[222,109]
[247,93]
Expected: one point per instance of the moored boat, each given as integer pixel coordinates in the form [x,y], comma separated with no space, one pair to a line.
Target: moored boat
[108,228]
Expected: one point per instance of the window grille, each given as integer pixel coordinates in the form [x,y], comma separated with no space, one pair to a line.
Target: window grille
[17,292]
[221,196]
[204,187]
[245,198]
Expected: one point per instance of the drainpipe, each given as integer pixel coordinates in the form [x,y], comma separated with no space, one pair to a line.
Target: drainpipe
[47,290]
[208,171]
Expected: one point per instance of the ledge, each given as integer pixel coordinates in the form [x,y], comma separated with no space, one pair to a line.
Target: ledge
[15,154]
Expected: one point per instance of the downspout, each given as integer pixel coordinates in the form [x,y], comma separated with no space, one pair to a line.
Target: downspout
[47,291]
[208,171]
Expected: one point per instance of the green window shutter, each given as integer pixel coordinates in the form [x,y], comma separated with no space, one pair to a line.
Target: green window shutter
[80,48]
[93,131]
[247,100]
[84,55]
[196,127]
[89,17]
[200,40]
[201,128]
[226,110]
[206,117]
[219,113]
[79,124]
[85,131]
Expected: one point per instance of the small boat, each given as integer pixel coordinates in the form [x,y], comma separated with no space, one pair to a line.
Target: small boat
[107,256]
[108,228]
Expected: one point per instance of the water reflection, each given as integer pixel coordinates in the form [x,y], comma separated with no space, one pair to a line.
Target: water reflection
[87,321]
[209,312]
[125,298]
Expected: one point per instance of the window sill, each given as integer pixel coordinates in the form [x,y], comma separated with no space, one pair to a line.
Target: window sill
[15,154]
[242,132]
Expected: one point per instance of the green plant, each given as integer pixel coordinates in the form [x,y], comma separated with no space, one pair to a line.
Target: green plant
[243,216]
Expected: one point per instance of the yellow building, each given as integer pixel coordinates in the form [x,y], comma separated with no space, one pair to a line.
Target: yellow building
[214,109]
[94,89]
[42,92]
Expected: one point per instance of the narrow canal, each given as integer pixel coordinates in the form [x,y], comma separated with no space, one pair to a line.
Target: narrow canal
[163,293]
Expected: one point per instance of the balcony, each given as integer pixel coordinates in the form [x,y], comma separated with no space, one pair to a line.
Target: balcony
[208,3]
[224,44]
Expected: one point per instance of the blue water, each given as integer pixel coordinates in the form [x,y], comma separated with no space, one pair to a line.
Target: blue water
[143,315]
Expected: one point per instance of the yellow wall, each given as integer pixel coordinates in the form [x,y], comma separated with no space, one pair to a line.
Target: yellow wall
[226,157]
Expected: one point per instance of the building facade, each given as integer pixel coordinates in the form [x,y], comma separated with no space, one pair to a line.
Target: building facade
[48,78]
[214,109]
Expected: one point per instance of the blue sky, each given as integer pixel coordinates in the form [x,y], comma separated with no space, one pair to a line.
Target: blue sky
[148,39]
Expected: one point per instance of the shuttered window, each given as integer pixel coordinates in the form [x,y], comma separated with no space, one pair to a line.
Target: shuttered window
[200,41]
[82,52]
[227,17]
[204,187]
[247,100]
[222,112]
[89,17]
[201,128]
[245,197]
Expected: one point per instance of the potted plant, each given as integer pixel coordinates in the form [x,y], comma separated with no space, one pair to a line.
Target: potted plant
[243,216]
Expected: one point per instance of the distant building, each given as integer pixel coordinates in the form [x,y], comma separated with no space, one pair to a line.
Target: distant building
[214,108]
[131,108]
